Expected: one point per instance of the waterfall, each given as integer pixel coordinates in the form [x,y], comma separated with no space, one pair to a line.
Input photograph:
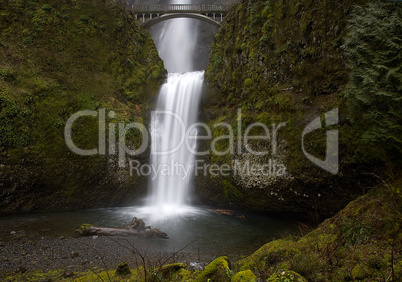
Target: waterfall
[177,109]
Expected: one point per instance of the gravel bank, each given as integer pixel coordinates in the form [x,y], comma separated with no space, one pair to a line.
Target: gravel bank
[81,254]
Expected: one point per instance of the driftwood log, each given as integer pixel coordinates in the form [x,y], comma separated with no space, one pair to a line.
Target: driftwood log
[135,228]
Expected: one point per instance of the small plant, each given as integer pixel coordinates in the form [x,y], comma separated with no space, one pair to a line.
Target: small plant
[248,82]
[3,73]
[282,277]
[84,19]
[6,75]
[47,8]
[354,232]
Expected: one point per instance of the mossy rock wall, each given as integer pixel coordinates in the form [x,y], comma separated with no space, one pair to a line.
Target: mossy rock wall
[57,58]
[361,242]
[282,62]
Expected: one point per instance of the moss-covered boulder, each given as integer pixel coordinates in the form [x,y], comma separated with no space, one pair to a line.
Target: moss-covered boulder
[170,270]
[244,276]
[217,270]
[270,254]
[58,58]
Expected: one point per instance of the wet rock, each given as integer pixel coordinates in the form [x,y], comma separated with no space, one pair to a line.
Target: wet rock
[196,265]
[74,254]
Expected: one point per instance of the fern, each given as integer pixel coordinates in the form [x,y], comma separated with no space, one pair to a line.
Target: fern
[373,48]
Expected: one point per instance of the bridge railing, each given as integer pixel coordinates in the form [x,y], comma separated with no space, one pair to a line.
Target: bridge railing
[180,8]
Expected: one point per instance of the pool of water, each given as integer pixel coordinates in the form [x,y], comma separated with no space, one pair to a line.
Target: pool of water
[207,230]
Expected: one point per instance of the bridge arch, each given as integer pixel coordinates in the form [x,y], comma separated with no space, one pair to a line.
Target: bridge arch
[164,17]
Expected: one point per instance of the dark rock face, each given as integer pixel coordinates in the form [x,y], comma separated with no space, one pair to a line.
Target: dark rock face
[281,63]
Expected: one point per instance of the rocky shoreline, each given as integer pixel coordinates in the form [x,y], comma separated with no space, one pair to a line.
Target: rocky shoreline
[72,255]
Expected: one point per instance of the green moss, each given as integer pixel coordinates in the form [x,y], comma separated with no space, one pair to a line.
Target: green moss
[244,276]
[286,276]
[283,61]
[231,192]
[82,229]
[248,82]
[270,254]
[170,269]
[325,253]
[217,270]
[58,66]
[360,272]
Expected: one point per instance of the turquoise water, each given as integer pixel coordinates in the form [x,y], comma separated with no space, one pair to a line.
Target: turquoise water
[240,233]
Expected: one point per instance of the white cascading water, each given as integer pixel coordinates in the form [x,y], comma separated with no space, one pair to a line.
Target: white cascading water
[176,111]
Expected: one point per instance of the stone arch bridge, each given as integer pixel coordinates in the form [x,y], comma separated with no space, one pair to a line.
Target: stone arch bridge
[148,15]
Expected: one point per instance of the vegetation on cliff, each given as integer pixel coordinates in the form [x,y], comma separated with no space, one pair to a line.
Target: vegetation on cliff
[57,58]
[290,62]
[363,241]
[373,93]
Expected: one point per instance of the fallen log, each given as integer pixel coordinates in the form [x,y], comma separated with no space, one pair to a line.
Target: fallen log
[135,228]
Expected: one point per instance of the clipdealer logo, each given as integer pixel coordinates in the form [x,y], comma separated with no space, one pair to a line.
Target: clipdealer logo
[331,161]
[109,144]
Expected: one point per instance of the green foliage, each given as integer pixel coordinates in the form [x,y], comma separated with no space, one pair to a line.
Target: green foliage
[360,272]
[244,276]
[47,8]
[57,58]
[13,132]
[372,250]
[374,91]
[286,276]
[248,82]
[275,42]
[354,232]
[282,61]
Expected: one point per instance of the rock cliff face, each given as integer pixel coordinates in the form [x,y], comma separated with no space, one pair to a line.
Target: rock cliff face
[57,58]
[281,64]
